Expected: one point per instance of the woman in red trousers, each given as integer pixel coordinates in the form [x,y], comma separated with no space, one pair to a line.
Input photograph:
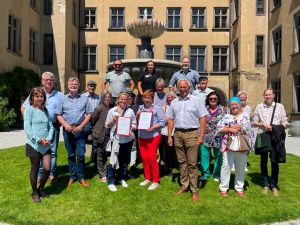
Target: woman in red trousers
[149,139]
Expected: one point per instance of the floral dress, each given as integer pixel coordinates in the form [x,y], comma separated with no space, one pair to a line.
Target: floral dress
[212,119]
[241,119]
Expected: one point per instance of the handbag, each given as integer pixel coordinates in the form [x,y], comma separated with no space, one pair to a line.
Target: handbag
[238,143]
[263,140]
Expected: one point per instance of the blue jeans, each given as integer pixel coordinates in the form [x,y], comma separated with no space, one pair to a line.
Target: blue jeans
[53,146]
[75,146]
[124,160]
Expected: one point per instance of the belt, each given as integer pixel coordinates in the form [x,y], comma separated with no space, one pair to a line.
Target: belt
[186,130]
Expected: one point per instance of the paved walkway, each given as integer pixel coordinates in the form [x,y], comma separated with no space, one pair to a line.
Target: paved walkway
[17,138]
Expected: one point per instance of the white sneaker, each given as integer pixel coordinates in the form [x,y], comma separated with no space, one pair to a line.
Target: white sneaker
[246,169]
[112,187]
[217,179]
[153,186]
[144,183]
[124,184]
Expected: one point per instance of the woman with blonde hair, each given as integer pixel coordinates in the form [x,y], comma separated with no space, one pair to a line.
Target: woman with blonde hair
[125,142]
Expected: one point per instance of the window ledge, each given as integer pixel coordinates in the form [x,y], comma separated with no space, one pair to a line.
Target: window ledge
[218,73]
[275,63]
[221,29]
[117,29]
[202,72]
[204,29]
[260,65]
[276,7]
[295,53]
[90,72]
[34,62]
[89,29]
[14,53]
[174,29]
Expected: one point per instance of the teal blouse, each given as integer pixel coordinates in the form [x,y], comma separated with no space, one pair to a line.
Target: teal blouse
[37,126]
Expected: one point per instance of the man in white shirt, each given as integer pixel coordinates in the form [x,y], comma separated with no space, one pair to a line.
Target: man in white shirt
[202,90]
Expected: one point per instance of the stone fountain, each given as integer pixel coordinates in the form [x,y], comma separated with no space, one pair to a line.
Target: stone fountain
[146,30]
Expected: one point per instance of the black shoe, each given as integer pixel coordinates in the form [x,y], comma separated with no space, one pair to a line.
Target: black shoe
[42,193]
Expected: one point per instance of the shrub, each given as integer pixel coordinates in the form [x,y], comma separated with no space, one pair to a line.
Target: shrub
[7,116]
[16,85]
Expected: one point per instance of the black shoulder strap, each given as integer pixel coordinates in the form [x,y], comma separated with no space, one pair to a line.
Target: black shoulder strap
[273,114]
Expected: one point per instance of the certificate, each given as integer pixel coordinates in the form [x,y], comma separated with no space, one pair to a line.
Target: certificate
[145,120]
[123,126]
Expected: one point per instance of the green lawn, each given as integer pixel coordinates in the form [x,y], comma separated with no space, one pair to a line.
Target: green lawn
[137,205]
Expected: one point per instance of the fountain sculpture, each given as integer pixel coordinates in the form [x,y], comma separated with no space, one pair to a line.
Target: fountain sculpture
[146,30]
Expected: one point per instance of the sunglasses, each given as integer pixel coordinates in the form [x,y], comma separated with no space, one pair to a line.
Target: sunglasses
[215,99]
[117,64]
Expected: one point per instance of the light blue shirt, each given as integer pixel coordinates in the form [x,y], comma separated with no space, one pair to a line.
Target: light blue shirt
[186,112]
[192,76]
[74,109]
[37,126]
[93,100]
[52,101]
[158,116]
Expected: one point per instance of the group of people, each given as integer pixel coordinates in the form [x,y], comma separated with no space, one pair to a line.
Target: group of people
[182,128]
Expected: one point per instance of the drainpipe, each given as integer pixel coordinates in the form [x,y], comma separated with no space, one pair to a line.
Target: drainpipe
[79,37]
[229,48]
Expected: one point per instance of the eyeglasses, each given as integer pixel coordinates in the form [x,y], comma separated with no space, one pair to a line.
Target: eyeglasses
[215,99]
[50,80]
[117,64]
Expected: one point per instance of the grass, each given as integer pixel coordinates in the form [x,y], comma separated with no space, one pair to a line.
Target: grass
[136,205]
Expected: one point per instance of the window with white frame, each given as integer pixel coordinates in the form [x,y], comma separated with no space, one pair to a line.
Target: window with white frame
[89,58]
[48,7]
[260,7]
[259,50]
[174,18]
[297,33]
[173,53]
[235,55]
[147,10]
[117,19]
[116,52]
[276,36]
[48,46]
[220,59]
[297,92]
[74,56]
[90,18]
[198,18]
[14,34]
[221,18]
[276,86]
[32,45]
[276,3]
[198,58]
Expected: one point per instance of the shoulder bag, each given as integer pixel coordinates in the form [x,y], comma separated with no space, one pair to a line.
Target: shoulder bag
[239,142]
[263,140]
